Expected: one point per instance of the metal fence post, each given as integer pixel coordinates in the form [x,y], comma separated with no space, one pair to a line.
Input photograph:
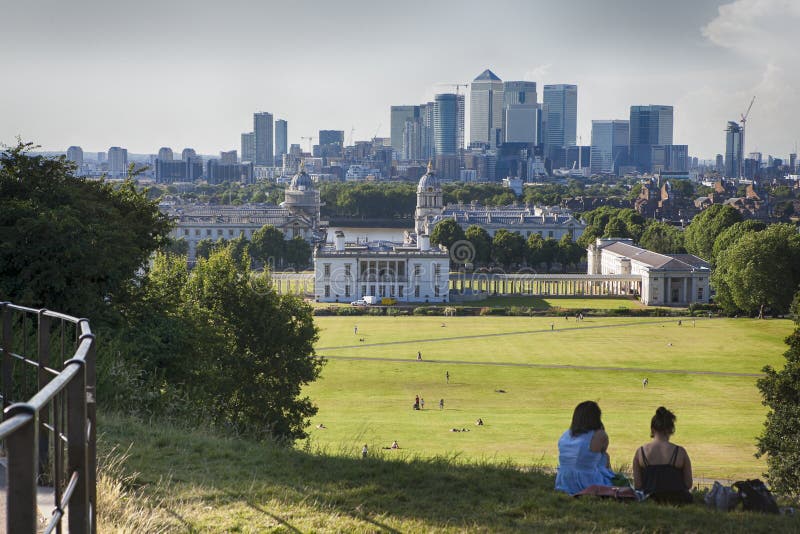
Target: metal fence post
[76,448]
[43,358]
[21,514]
[91,416]
[5,347]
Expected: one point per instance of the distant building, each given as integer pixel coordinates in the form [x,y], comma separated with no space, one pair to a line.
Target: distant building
[220,171]
[188,153]
[560,117]
[165,154]
[263,129]
[345,272]
[281,138]
[667,279]
[117,162]
[734,150]
[445,124]
[719,164]
[75,155]
[609,146]
[228,158]
[184,170]
[249,146]
[399,115]
[649,125]
[669,158]
[521,113]
[486,110]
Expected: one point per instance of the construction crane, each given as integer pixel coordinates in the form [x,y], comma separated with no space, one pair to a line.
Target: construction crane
[375,135]
[744,122]
[456,85]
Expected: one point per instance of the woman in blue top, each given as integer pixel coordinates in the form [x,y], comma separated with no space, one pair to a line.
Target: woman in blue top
[582,457]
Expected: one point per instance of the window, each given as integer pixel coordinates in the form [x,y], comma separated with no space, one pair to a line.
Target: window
[208,231]
[437,269]
[347,269]
[327,291]
[347,291]
[230,232]
[400,291]
[416,291]
[363,290]
[327,269]
[197,232]
[436,290]
[417,270]
[391,291]
[699,293]
[185,232]
[550,234]
[219,233]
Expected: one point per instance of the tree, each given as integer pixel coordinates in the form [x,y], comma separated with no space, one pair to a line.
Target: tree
[67,243]
[705,227]
[780,391]
[549,252]
[759,272]
[730,235]
[569,252]
[508,247]
[298,252]
[264,349]
[446,233]
[533,252]
[662,238]
[481,241]
[616,228]
[267,245]
[205,247]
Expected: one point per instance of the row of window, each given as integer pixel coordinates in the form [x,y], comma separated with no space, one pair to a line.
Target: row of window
[437,269]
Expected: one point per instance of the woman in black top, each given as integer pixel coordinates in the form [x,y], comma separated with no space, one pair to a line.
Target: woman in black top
[661,469]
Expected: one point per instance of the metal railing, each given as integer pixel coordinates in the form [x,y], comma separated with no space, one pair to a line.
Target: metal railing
[49,439]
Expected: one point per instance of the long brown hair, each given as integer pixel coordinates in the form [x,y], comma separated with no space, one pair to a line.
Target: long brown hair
[586,418]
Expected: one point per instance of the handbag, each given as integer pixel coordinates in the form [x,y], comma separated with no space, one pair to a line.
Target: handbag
[722,497]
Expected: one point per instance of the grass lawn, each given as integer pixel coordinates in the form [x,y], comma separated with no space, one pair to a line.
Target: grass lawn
[367,389]
[564,303]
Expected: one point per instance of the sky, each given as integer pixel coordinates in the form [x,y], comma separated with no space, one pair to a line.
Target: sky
[177,73]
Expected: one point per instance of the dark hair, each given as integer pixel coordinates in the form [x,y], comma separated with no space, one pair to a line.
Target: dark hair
[663,421]
[585,418]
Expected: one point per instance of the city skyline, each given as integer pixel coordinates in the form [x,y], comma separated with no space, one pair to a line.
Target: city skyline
[137,90]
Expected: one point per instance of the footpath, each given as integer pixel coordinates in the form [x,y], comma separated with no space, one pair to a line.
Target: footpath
[44,500]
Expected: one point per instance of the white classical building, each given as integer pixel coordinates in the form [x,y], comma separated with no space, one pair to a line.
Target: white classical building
[667,279]
[549,222]
[297,216]
[345,272]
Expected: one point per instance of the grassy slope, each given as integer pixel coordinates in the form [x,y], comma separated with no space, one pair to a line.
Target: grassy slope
[207,483]
[369,401]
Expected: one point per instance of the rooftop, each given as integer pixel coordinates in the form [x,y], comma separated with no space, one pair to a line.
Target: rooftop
[669,262]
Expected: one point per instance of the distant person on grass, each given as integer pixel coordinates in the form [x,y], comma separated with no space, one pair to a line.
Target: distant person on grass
[441,404]
[662,470]
[582,457]
[447,376]
[364,451]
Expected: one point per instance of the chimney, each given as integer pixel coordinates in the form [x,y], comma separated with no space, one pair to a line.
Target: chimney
[423,242]
[339,241]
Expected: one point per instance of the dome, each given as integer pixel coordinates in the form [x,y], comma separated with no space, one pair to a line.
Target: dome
[301,179]
[428,182]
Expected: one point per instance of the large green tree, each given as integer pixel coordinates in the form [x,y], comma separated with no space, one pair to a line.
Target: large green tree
[481,241]
[759,272]
[68,243]
[267,245]
[706,226]
[446,233]
[662,238]
[508,247]
[730,235]
[779,441]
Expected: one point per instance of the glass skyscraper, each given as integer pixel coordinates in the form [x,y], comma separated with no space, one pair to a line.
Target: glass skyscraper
[609,146]
[445,124]
[520,113]
[734,150]
[281,141]
[560,107]
[649,125]
[486,110]
[262,127]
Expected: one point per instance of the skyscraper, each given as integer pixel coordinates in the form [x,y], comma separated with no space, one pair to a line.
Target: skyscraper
[486,110]
[262,127]
[609,146]
[281,138]
[165,153]
[445,124]
[426,113]
[734,151]
[75,155]
[248,146]
[188,153]
[649,125]
[460,119]
[398,117]
[117,161]
[560,107]
[520,112]
[228,158]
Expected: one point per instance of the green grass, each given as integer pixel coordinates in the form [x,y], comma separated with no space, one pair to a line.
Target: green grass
[369,400]
[556,303]
[198,481]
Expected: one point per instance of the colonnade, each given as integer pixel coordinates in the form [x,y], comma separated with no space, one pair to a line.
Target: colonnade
[553,285]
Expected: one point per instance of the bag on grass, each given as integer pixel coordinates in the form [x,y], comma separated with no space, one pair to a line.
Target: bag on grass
[756,497]
[610,492]
[722,498]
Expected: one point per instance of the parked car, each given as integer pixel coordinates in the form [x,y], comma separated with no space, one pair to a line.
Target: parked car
[359,302]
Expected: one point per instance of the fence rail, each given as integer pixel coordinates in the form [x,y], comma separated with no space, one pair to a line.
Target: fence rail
[49,439]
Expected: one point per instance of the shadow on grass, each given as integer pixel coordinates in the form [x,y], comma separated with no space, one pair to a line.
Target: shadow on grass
[303,491]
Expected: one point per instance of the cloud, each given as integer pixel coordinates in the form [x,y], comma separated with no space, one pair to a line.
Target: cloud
[538,73]
[761,36]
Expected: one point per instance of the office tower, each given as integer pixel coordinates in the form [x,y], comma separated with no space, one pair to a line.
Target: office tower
[519,92]
[428,149]
[445,124]
[792,162]
[520,112]
[486,110]
[609,146]
[669,158]
[720,163]
[75,155]
[262,127]
[188,153]
[649,125]
[734,151]
[398,117]
[117,161]
[228,158]
[165,153]
[281,138]
[331,137]
[560,109]
[412,140]
[460,112]
[249,146]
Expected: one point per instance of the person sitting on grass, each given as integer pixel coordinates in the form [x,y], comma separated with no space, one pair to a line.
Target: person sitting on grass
[662,470]
[582,457]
